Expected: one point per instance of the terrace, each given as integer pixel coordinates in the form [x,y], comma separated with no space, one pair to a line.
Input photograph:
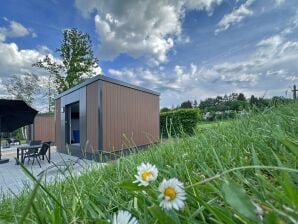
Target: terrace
[13,179]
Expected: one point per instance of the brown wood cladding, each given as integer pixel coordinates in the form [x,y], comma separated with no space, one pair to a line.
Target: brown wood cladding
[92,117]
[44,128]
[58,140]
[129,117]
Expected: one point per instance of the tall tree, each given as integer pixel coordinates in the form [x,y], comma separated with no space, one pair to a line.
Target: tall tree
[186,104]
[78,61]
[241,97]
[24,87]
[195,104]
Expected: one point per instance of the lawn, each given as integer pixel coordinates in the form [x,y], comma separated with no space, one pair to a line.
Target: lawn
[213,124]
[244,171]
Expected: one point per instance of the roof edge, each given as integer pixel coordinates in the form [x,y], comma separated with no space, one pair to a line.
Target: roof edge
[107,79]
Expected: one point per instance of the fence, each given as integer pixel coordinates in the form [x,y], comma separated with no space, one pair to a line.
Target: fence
[43,128]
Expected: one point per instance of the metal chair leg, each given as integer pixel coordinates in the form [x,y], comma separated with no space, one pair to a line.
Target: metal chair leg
[38,161]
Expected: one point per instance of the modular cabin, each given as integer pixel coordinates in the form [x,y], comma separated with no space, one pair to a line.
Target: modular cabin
[105,115]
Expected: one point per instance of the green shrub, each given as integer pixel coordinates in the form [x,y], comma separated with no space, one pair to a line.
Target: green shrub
[179,121]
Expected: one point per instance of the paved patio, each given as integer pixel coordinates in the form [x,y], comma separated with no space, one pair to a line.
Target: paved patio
[13,179]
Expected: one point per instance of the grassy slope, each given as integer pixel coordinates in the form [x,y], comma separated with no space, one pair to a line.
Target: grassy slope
[253,140]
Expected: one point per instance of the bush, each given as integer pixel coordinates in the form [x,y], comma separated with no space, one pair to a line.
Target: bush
[179,121]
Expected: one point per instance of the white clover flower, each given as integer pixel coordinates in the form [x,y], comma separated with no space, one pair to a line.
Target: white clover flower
[124,217]
[146,174]
[172,194]
[259,211]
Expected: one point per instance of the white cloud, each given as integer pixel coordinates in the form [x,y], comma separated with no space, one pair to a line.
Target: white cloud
[14,29]
[272,67]
[17,30]
[207,5]
[279,2]
[140,28]
[234,17]
[15,61]
[292,25]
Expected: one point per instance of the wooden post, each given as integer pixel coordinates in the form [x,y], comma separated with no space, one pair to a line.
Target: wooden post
[294,92]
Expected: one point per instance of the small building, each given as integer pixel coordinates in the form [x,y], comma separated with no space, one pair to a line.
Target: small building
[105,115]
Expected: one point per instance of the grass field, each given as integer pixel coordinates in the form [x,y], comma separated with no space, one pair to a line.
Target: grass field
[228,172]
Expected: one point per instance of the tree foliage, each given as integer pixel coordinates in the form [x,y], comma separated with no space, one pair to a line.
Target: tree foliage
[186,104]
[234,101]
[23,87]
[77,61]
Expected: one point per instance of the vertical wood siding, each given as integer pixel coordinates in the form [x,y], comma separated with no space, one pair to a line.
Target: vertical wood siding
[129,117]
[58,139]
[44,128]
[92,117]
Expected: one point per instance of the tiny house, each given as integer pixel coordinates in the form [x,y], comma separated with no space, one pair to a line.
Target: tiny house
[105,115]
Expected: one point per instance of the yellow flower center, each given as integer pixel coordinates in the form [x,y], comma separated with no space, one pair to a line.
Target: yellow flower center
[170,193]
[146,174]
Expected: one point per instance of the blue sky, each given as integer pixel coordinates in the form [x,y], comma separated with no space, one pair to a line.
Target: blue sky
[185,49]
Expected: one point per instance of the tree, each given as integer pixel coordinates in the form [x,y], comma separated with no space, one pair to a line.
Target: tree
[195,104]
[78,61]
[23,87]
[186,104]
[253,100]
[165,109]
[241,97]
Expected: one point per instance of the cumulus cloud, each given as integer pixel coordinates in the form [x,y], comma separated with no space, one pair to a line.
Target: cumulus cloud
[234,17]
[140,28]
[14,29]
[271,67]
[14,60]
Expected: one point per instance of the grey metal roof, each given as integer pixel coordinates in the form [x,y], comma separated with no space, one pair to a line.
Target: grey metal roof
[107,79]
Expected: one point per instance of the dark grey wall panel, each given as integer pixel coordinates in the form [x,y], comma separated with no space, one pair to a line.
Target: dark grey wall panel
[76,96]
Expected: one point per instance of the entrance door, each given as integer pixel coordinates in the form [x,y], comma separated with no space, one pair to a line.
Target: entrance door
[72,126]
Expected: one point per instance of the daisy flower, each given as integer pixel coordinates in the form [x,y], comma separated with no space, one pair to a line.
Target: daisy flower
[146,174]
[172,194]
[124,217]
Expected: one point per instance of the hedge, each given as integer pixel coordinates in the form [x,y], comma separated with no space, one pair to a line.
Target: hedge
[178,122]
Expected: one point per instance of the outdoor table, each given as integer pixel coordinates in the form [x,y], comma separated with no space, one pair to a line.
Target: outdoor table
[25,147]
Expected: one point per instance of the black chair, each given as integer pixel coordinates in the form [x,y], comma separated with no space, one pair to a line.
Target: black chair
[42,152]
[32,143]
[35,142]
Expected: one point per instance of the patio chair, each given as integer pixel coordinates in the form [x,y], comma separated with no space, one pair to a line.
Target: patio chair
[35,142]
[36,155]
[31,151]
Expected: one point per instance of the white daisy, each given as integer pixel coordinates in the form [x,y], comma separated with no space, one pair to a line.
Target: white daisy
[146,174]
[124,217]
[172,194]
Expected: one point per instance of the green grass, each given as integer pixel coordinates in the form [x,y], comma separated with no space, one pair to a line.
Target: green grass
[224,168]
[212,124]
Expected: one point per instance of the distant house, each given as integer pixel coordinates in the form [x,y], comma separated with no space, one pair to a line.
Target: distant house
[106,115]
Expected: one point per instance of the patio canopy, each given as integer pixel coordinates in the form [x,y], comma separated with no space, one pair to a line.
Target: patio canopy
[13,115]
